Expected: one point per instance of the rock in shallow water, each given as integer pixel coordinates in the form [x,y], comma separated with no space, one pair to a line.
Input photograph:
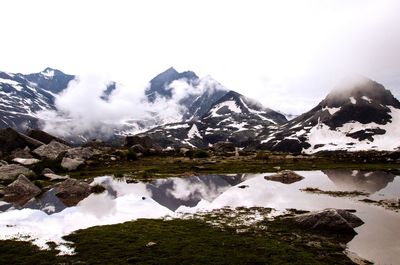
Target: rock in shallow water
[285,176]
[330,220]
[71,191]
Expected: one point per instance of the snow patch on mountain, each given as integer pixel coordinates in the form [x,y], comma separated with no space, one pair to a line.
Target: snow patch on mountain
[194,132]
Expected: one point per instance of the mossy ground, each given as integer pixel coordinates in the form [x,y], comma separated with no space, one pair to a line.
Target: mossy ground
[186,241]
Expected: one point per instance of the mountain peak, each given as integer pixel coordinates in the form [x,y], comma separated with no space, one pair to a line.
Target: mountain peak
[360,89]
[159,84]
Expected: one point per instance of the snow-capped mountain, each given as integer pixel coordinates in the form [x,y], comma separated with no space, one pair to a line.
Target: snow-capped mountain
[204,91]
[233,118]
[358,115]
[22,96]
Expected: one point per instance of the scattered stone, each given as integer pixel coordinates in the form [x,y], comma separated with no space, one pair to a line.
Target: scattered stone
[137,148]
[184,150]
[47,170]
[26,161]
[113,158]
[53,176]
[224,146]
[243,186]
[12,171]
[150,244]
[286,177]
[145,141]
[80,153]
[72,191]
[21,190]
[71,163]
[330,220]
[52,150]
[95,143]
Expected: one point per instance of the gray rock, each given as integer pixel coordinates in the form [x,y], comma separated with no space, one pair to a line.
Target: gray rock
[71,163]
[224,147]
[145,141]
[71,191]
[285,176]
[51,150]
[3,163]
[12,171]
[26,161]
[137,148]
[21,187]
[330,220]
[53,176]
[80,153]
[47,171]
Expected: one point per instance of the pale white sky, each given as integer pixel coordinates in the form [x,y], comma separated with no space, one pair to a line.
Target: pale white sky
[286,54]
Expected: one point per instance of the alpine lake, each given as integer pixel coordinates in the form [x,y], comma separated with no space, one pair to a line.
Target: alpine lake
[207,218]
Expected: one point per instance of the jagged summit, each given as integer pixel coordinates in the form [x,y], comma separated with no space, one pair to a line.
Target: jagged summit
[159,84]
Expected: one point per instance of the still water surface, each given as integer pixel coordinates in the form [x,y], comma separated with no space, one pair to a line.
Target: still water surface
[46,218]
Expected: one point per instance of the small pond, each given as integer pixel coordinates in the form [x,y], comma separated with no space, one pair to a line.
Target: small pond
[46,218]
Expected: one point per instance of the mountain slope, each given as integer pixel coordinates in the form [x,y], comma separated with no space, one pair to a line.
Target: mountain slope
[22,96]
[233,118]
[358,115]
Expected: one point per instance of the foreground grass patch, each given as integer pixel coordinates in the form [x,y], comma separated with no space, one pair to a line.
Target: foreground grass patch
[178,241]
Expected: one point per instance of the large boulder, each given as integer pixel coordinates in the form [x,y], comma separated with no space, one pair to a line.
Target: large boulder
[10,140]
[21,190]
[71,163]
[12,171]
[44,137]
[285,176]
[71,191]
[52,150]
[330,220]
[224,147]
[22,186]
[145,141]
[80,153]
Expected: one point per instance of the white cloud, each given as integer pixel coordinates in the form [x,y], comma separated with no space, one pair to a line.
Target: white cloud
[301,47]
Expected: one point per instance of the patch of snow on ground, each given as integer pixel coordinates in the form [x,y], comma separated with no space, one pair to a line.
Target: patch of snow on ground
[230,104]
[239,126]
[337,139]
[177,126]
[97,209]
[353,100]
[366,99]
[48,73]
[332,110]
[194,132]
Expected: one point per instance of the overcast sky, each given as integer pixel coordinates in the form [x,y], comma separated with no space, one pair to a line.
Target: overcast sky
[286,54]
